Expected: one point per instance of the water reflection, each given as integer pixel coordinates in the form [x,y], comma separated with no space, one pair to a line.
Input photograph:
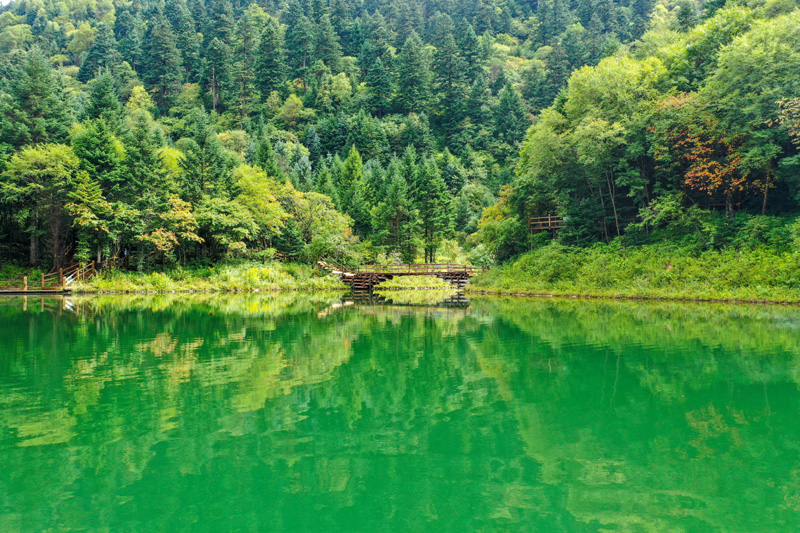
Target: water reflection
[297,412]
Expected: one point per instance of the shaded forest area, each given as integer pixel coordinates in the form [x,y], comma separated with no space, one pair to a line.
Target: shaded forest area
[190,131]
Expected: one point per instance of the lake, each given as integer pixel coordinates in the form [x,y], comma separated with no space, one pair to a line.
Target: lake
[293,412]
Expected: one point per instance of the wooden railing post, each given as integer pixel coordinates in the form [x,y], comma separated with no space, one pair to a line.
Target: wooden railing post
[25,283]
[61,277]
[42,281]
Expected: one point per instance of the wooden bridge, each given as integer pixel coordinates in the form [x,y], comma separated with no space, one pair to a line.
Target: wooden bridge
[56,281]
[365,277]
[549,223]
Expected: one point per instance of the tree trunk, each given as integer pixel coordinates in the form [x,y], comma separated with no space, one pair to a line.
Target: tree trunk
[766,193]
[33,250]
[611,191]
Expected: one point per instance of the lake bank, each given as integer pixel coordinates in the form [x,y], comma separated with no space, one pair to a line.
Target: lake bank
[652,272]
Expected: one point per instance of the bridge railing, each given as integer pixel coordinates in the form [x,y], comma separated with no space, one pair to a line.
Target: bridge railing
[421,268]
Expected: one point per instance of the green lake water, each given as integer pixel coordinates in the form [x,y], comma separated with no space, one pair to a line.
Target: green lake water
[290,412]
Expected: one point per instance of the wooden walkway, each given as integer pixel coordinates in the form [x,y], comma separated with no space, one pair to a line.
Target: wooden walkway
[54,282]
[549,223]
[366,277]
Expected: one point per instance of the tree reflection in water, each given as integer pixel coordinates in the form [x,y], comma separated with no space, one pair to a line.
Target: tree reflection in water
[300,412]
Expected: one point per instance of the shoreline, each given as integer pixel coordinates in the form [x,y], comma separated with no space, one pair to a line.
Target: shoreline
[467,290]
[589,296]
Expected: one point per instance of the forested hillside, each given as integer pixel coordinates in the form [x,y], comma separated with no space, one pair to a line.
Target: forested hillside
[377,130]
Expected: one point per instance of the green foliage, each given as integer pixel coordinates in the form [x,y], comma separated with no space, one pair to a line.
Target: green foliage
[396,134]
[652,271]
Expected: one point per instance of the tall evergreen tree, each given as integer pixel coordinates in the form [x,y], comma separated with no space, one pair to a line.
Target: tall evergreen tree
[395,221]
[511,117]
[449,69]
[433,206]
[413,76]
[163,67]
[100,155]
[218,78]
[186,37]
[103,102]
[352,174]
[271,60]
[326,44]
[40,111]
[469,48]
[379,84]
[102,54]
[129,32]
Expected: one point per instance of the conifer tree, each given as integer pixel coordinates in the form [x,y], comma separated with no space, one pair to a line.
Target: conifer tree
[218,72]
[102,54]
[379,82]
[205,165]
[432,204]
[469,49]
[187,39]
[141,139]
[395,221]
[413,76]
[40,108]
[271,60]
[352,174]
[129,32]
[221,22]
[326,44]
[103,102]
[265,158]
[299,39]
[163,68]
[99,154]
[449,69]
[511,117]
[314,145]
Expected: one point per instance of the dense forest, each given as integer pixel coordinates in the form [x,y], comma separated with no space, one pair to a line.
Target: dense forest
[411,130]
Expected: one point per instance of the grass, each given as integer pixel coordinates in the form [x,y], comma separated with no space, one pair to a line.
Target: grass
[240,276]
[649,271]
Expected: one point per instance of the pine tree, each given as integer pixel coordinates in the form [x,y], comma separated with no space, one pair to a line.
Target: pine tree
[129,33]
[187,39]
[432,204]
[413,76]
[271,60]
[221,22]
[299,39]
[360,210]
[102,54]
[314,145]
[449,69]
[379,83]
[218,78]
[469,47]
[326,44]
[325,185]
[478,108]
[206,167]
[90,212]
[97,148]
[163,68]
[302,174]
[511,117]
[143,170]
[265,158]
[352,174]
[103,102]
[395,221]
[40,111]
[290,241]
